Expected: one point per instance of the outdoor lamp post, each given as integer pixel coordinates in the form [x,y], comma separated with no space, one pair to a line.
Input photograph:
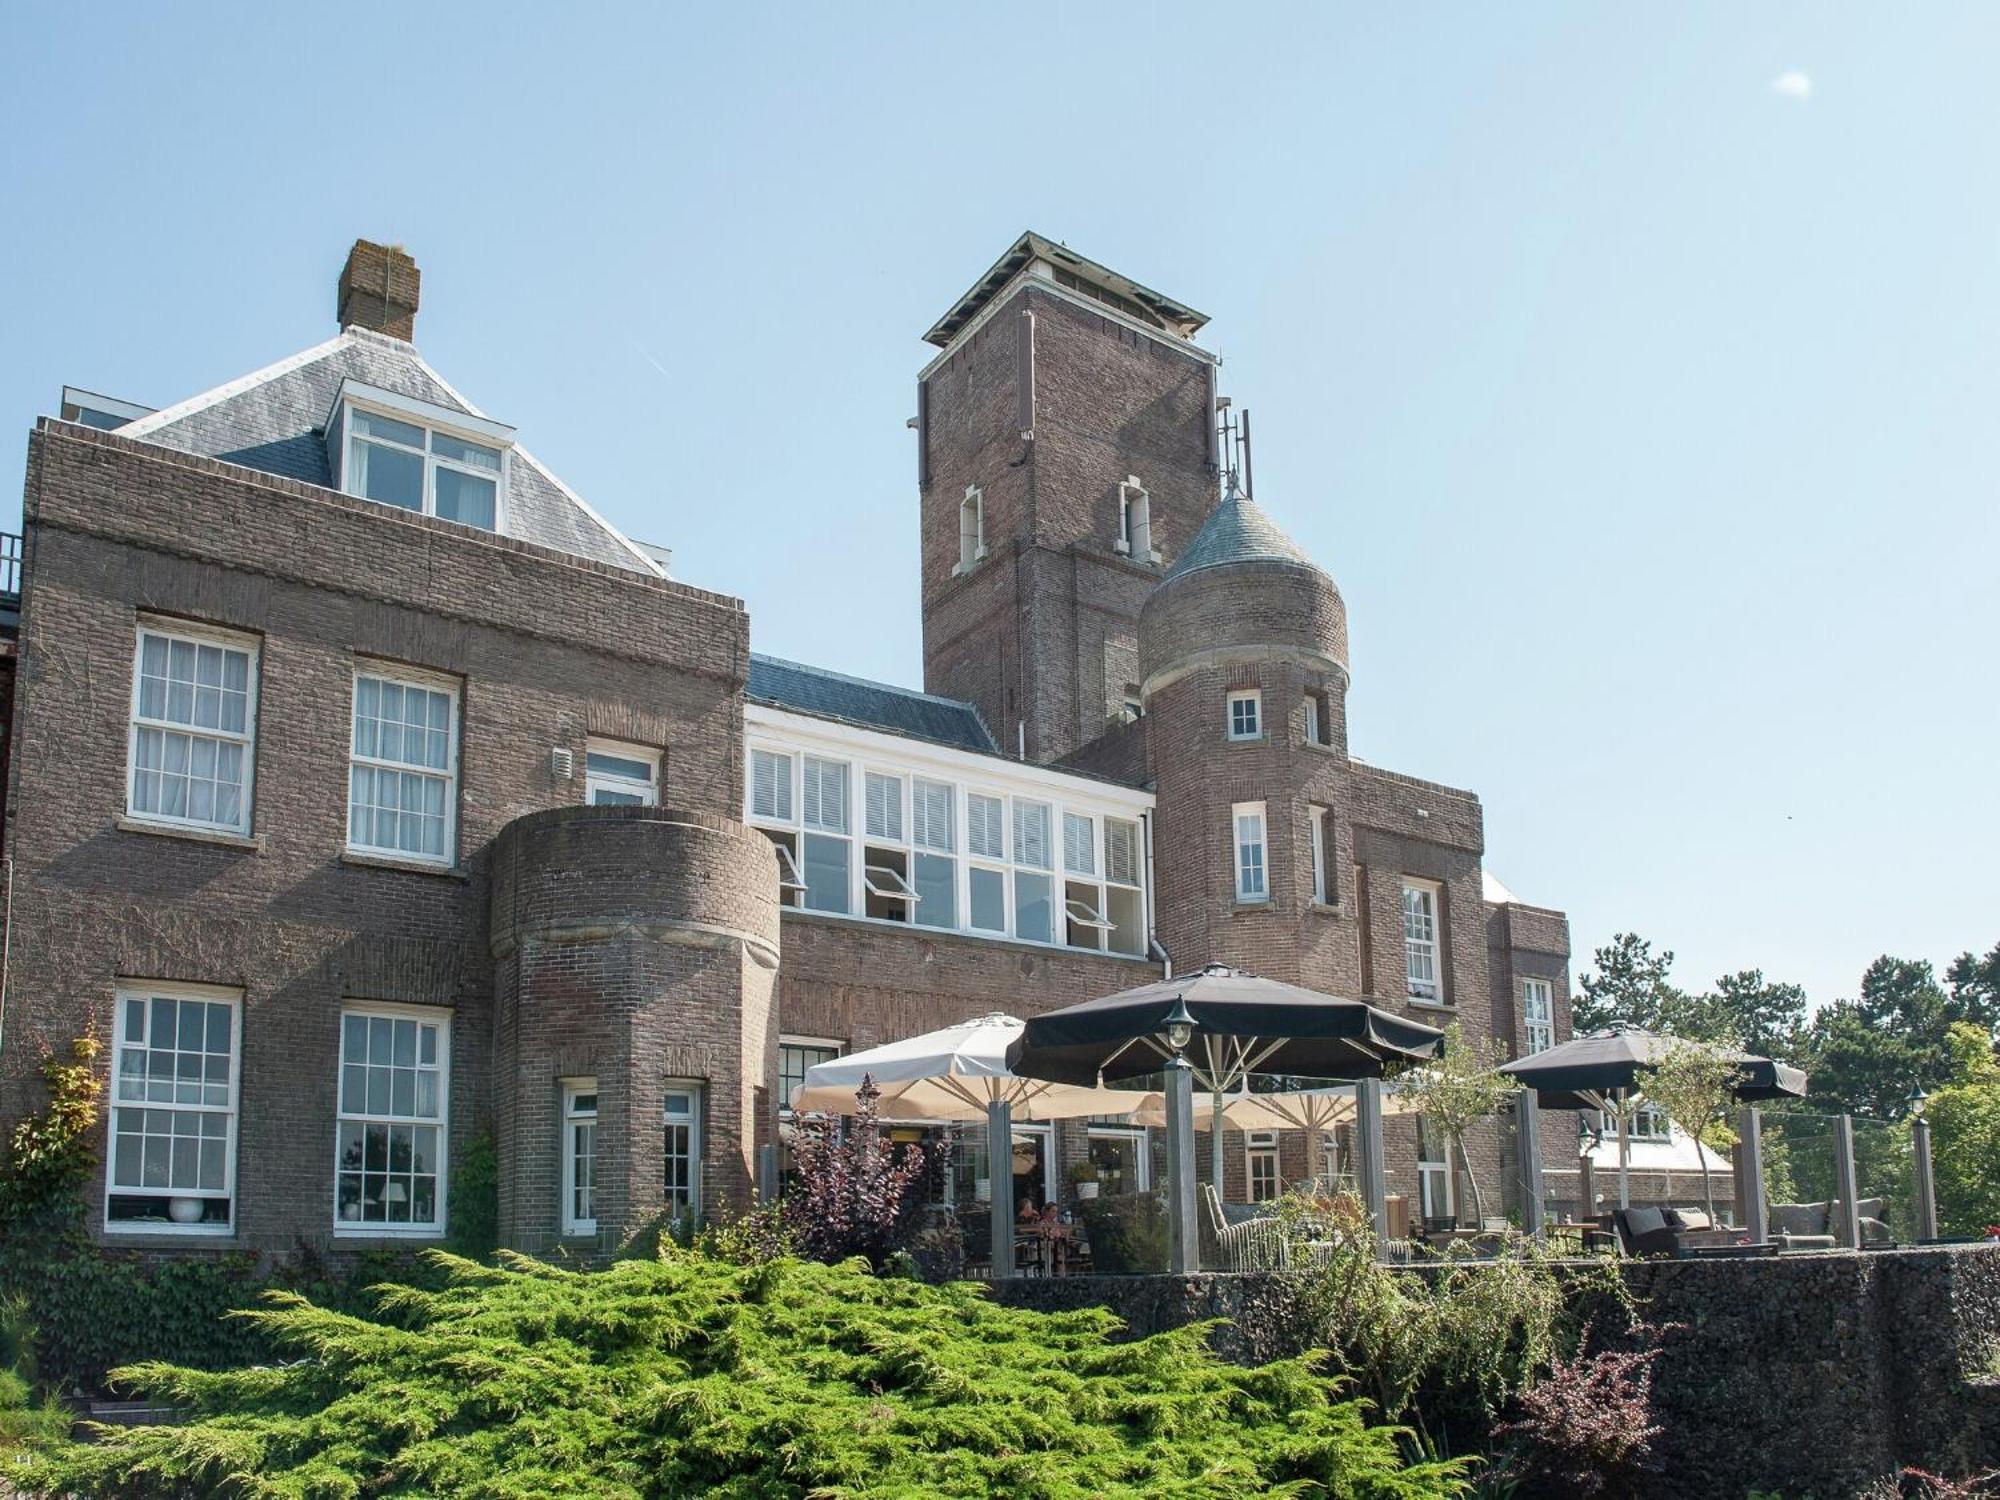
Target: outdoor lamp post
[1924,1183]
[1183,1243]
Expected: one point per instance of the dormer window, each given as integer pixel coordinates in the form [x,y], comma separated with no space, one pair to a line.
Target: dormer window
[419,457]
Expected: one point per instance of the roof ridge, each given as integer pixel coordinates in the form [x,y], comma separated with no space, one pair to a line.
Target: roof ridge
[166,416]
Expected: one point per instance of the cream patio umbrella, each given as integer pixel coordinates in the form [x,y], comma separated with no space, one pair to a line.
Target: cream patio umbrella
[959,1073]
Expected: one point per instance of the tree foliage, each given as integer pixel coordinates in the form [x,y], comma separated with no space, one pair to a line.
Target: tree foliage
[1965,1136]
[1458,1089]
[689,1376]
[1695,1084]
[854,1193]
[49,1156]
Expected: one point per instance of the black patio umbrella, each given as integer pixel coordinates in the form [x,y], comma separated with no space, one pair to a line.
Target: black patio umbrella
[1601,1070]
[1242,1025]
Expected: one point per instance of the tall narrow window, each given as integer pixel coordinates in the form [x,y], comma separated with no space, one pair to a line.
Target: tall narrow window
[682,1149]
[1261,1159]
[1246,714]
[621,775]
[1319,720]
[1312,719]
[933,871]
[1420,940]
[389,1172]
[403,773]
[828,853]
[173,1111]
[885,806]
[579,1148]
[1033,890]
[986,839]
[1433,1172]
[1539,1014]
[193,728]
[1252,879]
[1316,825]
[798,1055]
[1124,901]
[971,529]
[1135,520]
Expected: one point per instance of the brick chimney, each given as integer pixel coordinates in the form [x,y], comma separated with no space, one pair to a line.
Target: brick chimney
[378,289]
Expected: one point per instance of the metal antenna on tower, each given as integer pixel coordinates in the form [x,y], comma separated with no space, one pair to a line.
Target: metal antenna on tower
[1249,492]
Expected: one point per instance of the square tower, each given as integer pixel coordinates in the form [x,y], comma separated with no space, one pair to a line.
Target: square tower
[1066,450]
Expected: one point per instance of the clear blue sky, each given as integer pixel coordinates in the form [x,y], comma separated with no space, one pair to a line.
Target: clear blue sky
[1645,413]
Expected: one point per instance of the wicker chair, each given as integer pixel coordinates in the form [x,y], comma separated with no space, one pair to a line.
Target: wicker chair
[1254,1244]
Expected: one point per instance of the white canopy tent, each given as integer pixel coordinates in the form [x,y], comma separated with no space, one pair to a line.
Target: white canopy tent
[959,1073]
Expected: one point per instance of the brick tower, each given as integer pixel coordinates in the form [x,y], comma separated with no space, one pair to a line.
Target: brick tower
[1244,653]
[1066,452]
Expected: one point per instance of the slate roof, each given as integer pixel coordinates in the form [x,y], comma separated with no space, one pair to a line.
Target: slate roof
[1238,531]
[270,421]
[873,705]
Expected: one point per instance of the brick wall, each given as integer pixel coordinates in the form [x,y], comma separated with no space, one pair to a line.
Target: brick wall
[546,650]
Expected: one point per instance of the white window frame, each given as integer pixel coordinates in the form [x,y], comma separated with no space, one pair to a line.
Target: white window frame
[1316,831]
[785,762]
[143,994]
[1432,1169]
[423,1016]
[1253,876]
[1430,896]
[575,1120]
[1232,721]
[1312,720]
[432,682]
[1260,1149]
[197,636]
[695,1091]
[646,789]
[971,529]
[1538,1014]
[1135,1133]
[434,420]
[1135,522]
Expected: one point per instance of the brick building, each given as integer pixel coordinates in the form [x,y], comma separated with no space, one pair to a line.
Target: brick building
[370,796]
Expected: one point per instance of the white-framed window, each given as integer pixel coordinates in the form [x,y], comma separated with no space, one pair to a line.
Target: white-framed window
[1649,1123]
[1034,884]
[828,854]
[1252,863]
[402,784]
[1135,521]
[771,785]
[1260,1148]
[796,1055]
[1122,1155]
[1319,718]
[390,1140]
[1538,1011]
[1124,896]
[620,775]
[1317,829]
[194,723]
[1245,714]
[417,467]
[681,1121]
[1420,941]
[986,884]
[579,1153]
[174,1090]
[934,835]
[971,529]
[884,806]
[1434,1190]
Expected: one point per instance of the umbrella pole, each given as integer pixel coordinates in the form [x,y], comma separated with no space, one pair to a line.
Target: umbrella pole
[1624,1149]
[1184,1247]
[1215,1144]
[999,1154]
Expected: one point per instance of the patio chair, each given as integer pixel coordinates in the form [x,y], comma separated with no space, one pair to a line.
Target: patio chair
[1802,1226]
[1646,1232]
[1252,1243]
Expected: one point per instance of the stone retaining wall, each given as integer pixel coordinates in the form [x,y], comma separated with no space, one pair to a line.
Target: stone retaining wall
[1810,1376]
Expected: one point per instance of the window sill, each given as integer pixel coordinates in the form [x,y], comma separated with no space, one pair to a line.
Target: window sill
[1251,903]
[192,835]
[386,1236]
[1429,1004]
[1321,746]
[1245,739]
[1328,908]
[363,861]
[161,1236]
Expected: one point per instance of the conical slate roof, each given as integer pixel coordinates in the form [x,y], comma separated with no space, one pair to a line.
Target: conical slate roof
[1238,531]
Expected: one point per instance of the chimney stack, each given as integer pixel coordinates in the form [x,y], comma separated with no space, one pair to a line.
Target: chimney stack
[378,290]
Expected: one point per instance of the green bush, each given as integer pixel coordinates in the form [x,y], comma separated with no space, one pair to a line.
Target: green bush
[1128,1234]
[690,1376]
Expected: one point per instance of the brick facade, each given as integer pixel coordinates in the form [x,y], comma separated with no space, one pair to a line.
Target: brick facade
[633,946]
